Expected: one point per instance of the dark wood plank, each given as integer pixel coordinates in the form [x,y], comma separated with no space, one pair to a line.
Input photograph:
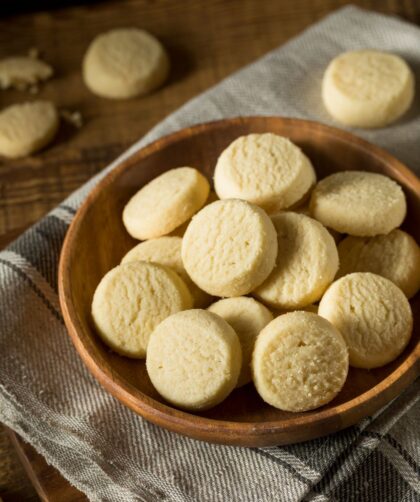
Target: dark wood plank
[207,41]
[47,481]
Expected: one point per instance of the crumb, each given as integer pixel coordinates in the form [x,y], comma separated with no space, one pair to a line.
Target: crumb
[74,118]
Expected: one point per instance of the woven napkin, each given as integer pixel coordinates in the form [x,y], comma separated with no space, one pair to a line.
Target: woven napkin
[111,454]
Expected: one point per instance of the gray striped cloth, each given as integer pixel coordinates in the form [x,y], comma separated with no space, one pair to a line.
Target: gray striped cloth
[111,454]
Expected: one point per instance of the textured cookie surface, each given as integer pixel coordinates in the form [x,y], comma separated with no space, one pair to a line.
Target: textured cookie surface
[395,256]
[229,247]
[167,251]
[165,203]
[307,261]
[194,359]
[367,88]
[21,72]
[247,317]
[131,300]
[358,203]
[124,63]
[300,362]
[27,127]
[372,314]
[265,169]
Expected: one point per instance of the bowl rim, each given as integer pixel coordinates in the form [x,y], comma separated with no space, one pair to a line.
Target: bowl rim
[178,420]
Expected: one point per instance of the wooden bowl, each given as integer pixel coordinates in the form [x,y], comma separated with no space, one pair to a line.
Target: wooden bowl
[97,240]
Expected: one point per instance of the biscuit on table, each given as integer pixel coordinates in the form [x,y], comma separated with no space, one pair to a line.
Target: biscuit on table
[372,314]
[131,300]
[367,88]
[125,62]
[229,247]
[300,362]
[194,359]
[265,169]
[395,256]
[26,128]
[247,317]
[358,203]
[307,261]
[165,203]
[23,72]
[167,251]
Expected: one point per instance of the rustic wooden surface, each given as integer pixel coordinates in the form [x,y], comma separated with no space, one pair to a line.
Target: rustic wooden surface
[207,40]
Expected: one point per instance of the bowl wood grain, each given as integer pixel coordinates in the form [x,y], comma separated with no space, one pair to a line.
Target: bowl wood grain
[97,240]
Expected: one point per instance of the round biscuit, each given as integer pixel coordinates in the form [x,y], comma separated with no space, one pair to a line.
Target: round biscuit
[194,359]
[124,63]
[358,203]
[372,314]
[165,203]
[300,362]
[131,300]
[265,169]
[395,256]
[167,251]
[229,248]
[247,317]
[367,88]
[307,261]
[27,127]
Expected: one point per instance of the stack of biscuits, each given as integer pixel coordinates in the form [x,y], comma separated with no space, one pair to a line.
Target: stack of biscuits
[273,278]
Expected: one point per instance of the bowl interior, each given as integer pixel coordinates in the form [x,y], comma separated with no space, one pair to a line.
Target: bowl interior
[99,241]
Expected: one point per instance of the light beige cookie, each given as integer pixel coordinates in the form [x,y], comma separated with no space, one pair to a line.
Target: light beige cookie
[300,362]
[23,72]
[247,317]
[124,63]
[367,88]
[395,256]
[372,314]
[167,251]
[194,359]
[165,203]
[265,169]
[229,247]
[131,300]
[307,261]
[26,128]
[358,203]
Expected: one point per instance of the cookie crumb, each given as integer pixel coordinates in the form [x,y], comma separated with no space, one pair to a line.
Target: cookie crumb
[75,118]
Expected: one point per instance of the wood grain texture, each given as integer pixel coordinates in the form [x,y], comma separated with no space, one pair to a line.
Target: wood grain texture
[97,240]
[234,34]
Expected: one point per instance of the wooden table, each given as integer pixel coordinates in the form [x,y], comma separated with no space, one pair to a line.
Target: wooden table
[206,39]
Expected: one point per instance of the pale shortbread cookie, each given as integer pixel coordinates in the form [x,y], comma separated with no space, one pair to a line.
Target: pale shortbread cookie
[26,128]
[180,231]
[165,203]
[359,203]
[247,317]
[265,169]
[131,300]
[367,88]
[167,251]
[307,261]
[372,314]
[22,72]
[395,256]
[300,362]
[304,209]
[194,359]
[124,63]
[229,247]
